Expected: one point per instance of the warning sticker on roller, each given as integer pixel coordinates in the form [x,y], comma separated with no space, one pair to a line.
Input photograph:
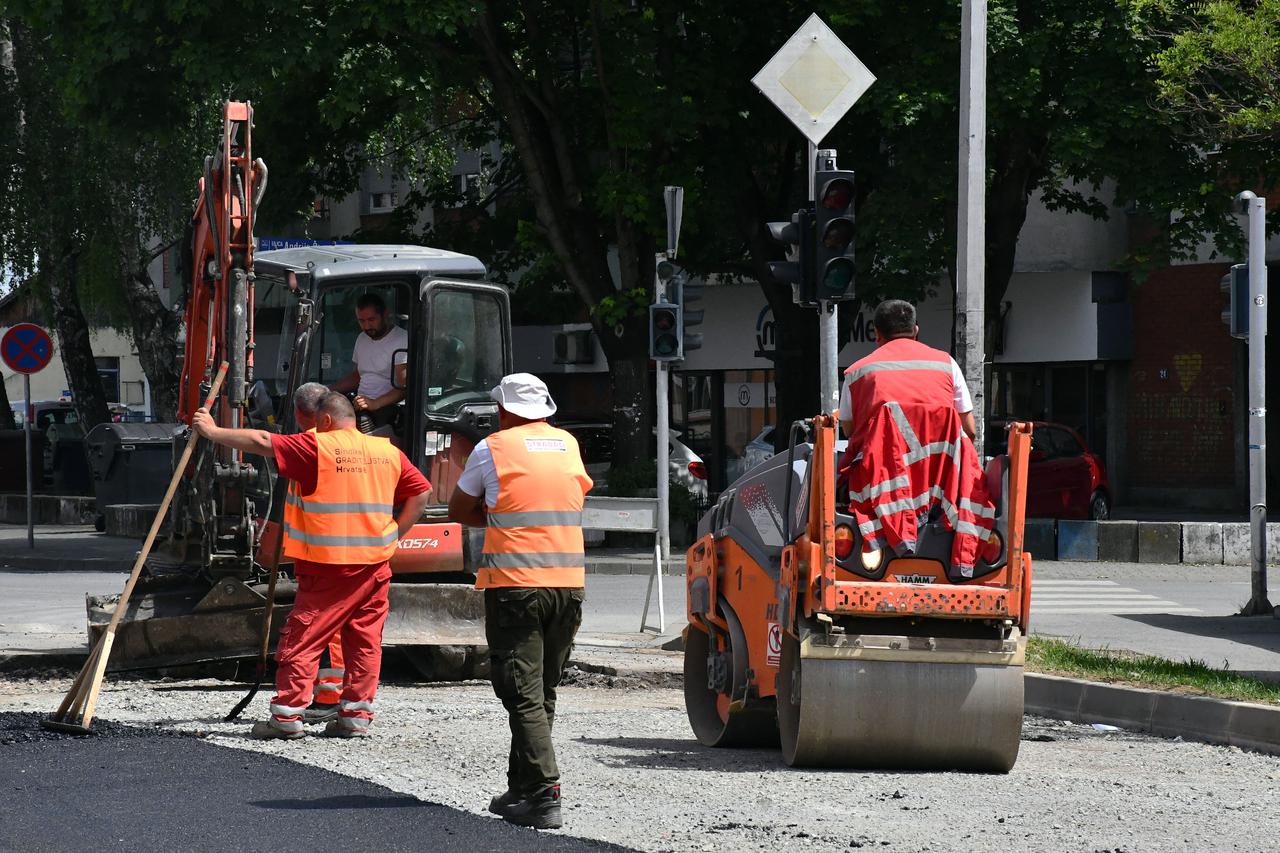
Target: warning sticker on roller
[773,654]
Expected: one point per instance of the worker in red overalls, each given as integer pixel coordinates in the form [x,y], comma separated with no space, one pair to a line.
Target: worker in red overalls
[343,530]
[907,413]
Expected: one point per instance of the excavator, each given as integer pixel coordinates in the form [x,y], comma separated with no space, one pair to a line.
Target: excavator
[203,593]
[899,662]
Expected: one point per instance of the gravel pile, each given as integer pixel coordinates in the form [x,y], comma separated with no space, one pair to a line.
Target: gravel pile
[633,775]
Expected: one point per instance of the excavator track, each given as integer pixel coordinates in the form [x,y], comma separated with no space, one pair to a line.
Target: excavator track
[893,702]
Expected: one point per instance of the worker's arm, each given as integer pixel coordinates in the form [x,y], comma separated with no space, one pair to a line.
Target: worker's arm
[411,512]
[245,440]
[350,382]
[969,424]
[468,509]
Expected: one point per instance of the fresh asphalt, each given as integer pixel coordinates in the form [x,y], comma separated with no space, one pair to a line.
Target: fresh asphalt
[129,789]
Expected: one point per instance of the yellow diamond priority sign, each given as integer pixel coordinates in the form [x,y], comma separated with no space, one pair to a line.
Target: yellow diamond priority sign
[814,79]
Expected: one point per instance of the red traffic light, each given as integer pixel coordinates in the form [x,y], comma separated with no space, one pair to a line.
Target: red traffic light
[837,194]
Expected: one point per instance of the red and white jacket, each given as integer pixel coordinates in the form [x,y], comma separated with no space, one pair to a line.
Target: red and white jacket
[909,455]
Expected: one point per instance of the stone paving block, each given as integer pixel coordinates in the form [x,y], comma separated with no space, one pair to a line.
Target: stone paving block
[1039,538]
[1159,542]
[1078,540]
[1202,543]
[1235,544]
[1118,541]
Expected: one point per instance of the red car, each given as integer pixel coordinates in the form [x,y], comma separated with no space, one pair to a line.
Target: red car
[1065,479]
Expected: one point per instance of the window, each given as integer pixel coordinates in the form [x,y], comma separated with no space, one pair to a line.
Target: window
[466,356]
[109,373]
[384,201]
[331,351]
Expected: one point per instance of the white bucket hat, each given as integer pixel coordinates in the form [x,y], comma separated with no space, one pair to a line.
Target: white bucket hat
[524,395]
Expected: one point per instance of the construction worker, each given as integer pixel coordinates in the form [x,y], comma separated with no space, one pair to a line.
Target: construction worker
[328,691]
[900,369]
[381,348]
[342,533]
[526,484]
[906,411]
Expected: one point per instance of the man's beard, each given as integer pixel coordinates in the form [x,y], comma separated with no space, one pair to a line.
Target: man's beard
[381,333]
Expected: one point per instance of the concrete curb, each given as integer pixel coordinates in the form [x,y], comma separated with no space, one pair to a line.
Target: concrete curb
[1199,543]
[1217,721]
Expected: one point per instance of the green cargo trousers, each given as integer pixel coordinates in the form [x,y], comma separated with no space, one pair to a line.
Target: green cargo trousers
[530,632]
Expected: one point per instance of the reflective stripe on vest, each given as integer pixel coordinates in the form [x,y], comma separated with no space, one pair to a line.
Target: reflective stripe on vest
[534,532]
[902,371]
[348,518]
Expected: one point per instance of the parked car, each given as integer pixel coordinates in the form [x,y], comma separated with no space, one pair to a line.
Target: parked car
[595,440]
[758,449]
[1065,479]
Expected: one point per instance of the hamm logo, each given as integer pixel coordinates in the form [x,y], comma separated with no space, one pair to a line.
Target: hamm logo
[914,578]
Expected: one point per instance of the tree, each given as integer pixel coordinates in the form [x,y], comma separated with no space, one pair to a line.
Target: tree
[1220,68]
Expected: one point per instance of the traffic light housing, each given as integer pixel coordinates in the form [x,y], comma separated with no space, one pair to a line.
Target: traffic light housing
[665,328]
[797,269]
[689,317]
[1235,284]
[833,235]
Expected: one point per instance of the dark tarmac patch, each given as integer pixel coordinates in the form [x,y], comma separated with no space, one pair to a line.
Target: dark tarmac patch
[23,727]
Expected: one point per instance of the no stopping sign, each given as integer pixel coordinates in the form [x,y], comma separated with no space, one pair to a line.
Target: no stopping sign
[26,348]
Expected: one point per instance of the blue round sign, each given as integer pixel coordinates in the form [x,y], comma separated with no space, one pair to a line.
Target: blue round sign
[26,348]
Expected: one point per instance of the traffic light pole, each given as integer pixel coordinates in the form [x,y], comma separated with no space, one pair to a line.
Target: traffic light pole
[1257,210]
[828,324]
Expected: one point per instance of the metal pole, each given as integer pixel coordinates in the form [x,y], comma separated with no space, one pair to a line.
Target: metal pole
[26,429]
[828,318]
[664,482]
[1257,210]
[971,231]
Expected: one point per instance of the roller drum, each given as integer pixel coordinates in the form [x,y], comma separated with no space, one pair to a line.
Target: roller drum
[900,714]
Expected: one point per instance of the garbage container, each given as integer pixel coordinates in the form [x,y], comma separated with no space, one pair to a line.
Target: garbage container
[66,467]
[131,463]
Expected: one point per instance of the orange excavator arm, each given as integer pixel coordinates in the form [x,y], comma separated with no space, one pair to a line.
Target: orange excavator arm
[219,312]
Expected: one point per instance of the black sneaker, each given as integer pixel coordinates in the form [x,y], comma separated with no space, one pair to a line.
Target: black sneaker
[498,805]
[541,811]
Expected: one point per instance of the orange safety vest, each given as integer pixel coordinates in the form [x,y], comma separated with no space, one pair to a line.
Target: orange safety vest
[902,371]
[348,519]
[534,532]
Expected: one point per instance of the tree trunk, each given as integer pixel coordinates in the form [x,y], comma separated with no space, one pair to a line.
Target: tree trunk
[7,420]
[73,342]
[155,331]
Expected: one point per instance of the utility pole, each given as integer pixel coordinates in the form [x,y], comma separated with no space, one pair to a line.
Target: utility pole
[828,310]
[971,231]
[1256,208]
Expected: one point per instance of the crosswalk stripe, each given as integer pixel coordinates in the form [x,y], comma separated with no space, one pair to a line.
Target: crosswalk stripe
[1100,599]
[1113,611]
[1065,582]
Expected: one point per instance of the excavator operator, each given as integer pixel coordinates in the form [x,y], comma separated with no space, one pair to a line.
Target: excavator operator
[381,347]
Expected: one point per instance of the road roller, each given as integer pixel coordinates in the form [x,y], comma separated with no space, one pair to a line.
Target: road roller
[848,656]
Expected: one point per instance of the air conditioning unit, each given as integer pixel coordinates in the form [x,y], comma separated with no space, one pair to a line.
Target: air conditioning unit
[576,347]
[383,202]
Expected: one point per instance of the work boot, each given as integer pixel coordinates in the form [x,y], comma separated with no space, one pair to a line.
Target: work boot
[270,730]
[541,811]
[319,712]
[341,727]
[498,805]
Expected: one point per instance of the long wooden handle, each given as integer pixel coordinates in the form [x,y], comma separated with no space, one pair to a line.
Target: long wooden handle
[99,660]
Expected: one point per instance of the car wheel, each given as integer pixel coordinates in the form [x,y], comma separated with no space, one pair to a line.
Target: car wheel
[1099,507]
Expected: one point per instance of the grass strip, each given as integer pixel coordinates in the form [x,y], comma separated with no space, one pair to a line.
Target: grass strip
[1192,677]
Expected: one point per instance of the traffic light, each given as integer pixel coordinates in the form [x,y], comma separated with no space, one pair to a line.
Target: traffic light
[1236,315]
[664,331]
[686,293]
[833,235]
[797,269]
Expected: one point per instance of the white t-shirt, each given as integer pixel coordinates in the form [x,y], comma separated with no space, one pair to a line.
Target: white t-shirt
[479,476]
[964,403]
[373,360]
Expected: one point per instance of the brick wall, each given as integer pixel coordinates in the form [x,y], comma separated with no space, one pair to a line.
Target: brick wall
[1183,391]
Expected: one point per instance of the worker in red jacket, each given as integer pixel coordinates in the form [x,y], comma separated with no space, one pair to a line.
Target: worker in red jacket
[906,411]
[343,530]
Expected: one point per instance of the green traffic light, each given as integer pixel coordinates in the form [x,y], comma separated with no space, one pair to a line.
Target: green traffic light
[837,278]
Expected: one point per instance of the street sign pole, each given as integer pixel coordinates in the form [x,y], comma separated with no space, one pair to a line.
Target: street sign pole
[673,200]
[1257,210]
[971,231]
[26,348]
[26,430]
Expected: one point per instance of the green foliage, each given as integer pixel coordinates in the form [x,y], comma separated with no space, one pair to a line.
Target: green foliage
[613,310]
[638,480]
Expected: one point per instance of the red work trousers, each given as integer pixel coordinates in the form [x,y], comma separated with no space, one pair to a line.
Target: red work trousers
[332,672]
[355,606]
